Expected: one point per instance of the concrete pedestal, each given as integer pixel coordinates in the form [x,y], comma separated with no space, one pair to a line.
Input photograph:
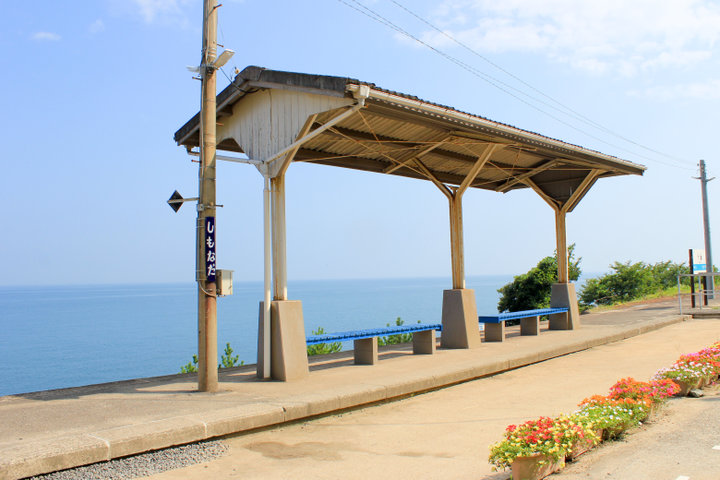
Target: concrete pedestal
[495,332]
[366,351]
[288,357]
[563,296]
[424,342]
[459,320]
[530,326]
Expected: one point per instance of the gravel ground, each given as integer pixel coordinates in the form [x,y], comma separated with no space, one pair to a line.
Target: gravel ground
[145,464]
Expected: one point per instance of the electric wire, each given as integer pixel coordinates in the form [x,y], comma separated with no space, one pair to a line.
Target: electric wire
[372,14]
[569,110]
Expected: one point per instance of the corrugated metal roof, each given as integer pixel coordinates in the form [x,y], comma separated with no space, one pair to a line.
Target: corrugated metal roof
[394,126]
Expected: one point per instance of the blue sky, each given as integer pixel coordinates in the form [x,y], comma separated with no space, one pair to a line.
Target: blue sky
[93,92]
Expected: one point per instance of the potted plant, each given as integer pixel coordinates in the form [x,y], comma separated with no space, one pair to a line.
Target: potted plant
[579,435]
[653,393]
[536,448]
[686,375]
[613,416]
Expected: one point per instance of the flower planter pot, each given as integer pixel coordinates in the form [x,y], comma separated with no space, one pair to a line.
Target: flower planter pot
[685,387]
[583,446]
[653,413]
[531,468]
[611,433]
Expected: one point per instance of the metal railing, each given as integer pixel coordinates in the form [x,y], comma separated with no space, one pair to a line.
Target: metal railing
[706,291]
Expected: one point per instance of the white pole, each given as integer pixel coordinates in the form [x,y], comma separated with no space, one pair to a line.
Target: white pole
[268,279]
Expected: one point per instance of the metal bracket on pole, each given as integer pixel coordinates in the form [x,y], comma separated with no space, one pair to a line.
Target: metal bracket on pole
[176,200]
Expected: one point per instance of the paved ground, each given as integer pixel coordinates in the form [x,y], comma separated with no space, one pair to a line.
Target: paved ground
[445,434]
[45,431]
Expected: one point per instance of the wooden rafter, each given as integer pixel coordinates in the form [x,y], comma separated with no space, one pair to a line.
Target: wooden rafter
[443,188]
[550,201]
[369,148]
[475,169]
[518,179]
[581,191]
[403,160]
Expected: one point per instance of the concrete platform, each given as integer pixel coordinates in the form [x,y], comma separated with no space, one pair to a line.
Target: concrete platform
[47,431]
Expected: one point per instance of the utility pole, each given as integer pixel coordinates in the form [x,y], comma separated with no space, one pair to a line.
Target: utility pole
[710,285]
[207,296]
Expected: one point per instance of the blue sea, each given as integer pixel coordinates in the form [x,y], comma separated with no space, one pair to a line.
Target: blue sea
[66,336]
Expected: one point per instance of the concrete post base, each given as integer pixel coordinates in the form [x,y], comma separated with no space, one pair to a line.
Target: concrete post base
[288,357]
[530,326]
[424,342]
[563,296]
[366,351]
[495,332]
[459,319]
[260,367]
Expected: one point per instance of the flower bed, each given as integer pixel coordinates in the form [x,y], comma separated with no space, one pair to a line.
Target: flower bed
[542,445]
[691,370]
[552,438]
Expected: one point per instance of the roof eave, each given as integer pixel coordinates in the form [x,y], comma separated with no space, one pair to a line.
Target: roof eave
[506,131]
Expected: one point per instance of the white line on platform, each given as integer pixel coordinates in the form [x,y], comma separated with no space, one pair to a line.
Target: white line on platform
[716,447]
[682,477]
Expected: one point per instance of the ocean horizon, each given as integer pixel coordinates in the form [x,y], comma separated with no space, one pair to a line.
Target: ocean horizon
[67,336]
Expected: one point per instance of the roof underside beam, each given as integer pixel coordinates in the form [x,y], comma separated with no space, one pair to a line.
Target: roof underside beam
[361,162]
[581,190]
[391,145]
[514,181]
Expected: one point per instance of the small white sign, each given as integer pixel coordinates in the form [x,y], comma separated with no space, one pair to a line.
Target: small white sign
[699,263]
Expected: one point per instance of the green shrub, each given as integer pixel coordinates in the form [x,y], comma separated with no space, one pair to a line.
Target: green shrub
[323,348]
[228,359]
[398,338]
[531,290]
[191,367]
[630,281]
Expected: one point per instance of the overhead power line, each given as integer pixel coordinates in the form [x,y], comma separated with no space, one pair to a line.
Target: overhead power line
[509,89]
[570,110]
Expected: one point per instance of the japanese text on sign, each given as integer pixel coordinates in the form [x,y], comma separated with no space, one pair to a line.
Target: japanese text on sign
[210,257]
[699,262]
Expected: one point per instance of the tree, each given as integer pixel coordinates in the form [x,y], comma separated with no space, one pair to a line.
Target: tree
[531,290]
[629,281]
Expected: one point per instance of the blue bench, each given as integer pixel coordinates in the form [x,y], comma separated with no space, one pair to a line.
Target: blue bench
[529,322]
[365,344]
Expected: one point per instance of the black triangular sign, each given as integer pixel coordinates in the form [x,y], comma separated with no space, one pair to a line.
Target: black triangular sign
[175,205]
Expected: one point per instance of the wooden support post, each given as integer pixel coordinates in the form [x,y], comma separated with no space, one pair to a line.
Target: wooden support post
[207,299]
[562,251]
[692,279]
[456,241]
[279,238]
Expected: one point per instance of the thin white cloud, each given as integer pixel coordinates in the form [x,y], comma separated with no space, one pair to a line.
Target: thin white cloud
[166,11]
[97,26]
[705,91]
[612,36]
[46,37]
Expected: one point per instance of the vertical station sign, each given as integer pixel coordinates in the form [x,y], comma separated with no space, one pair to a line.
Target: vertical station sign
[699,262]
[210,257]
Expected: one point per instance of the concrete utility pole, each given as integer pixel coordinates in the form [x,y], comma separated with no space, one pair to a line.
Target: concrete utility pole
[207,297]
[706,223]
